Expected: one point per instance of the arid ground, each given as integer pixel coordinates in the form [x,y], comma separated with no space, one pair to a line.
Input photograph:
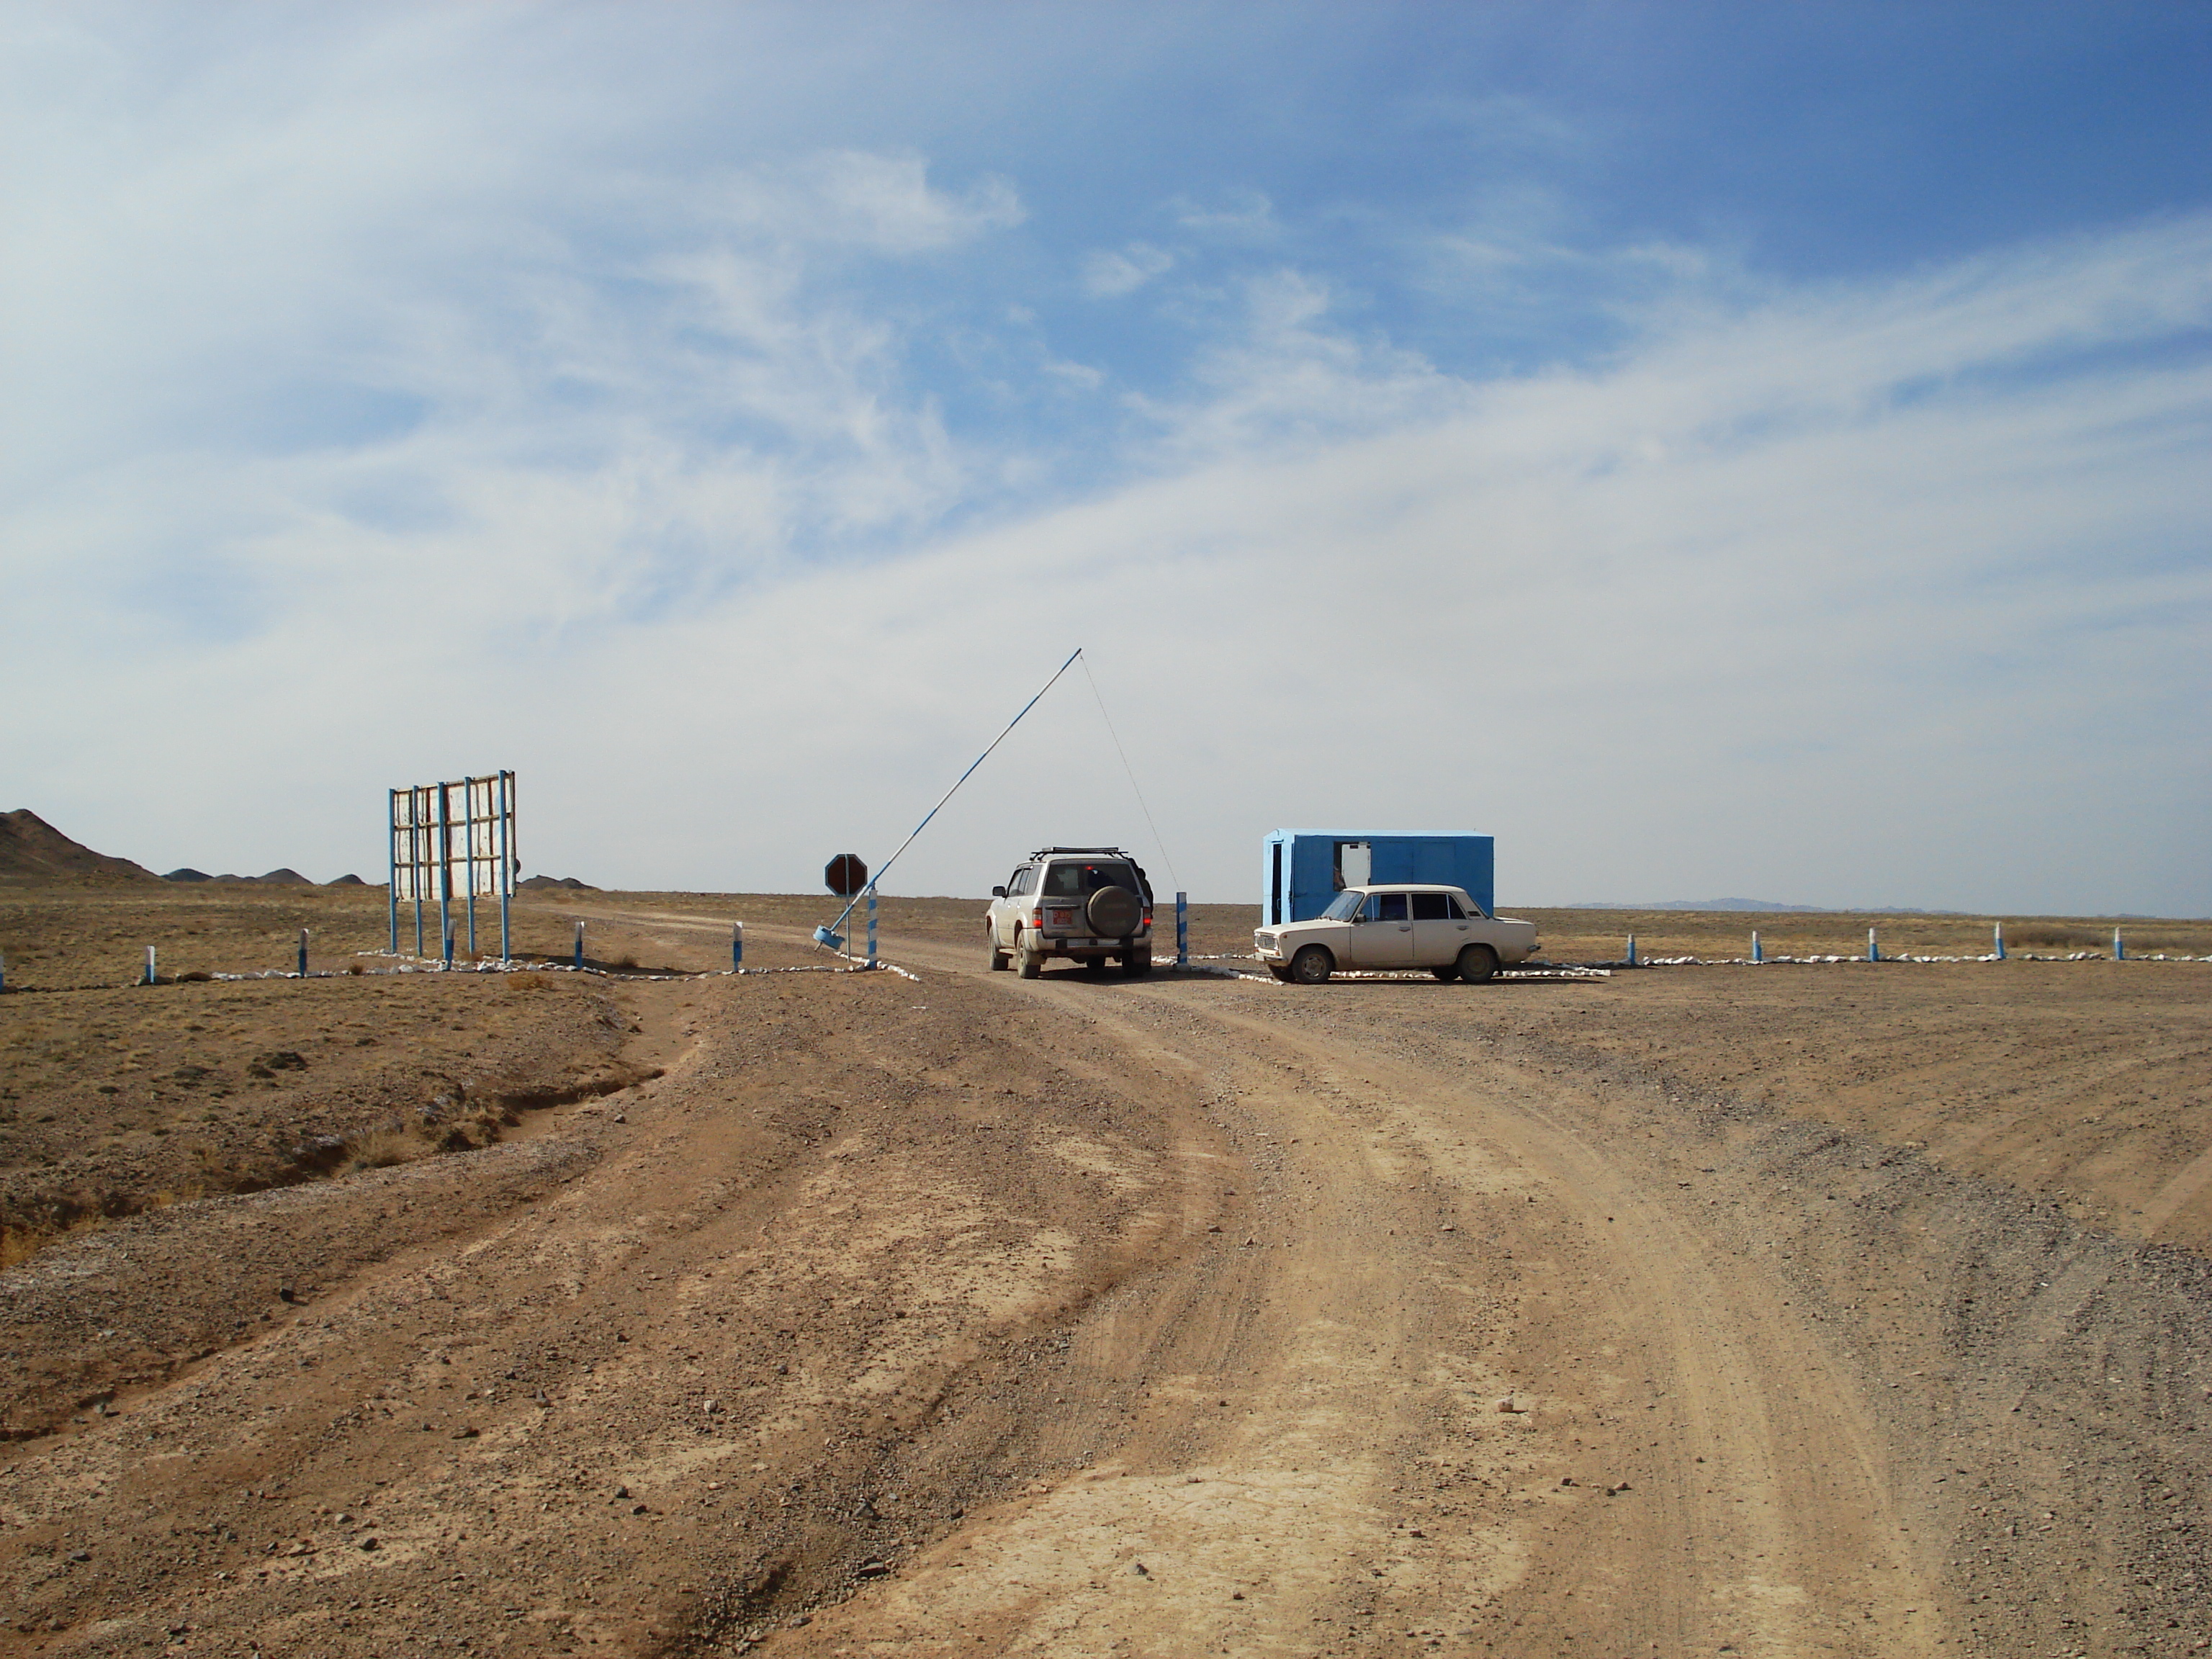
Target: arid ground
[1855,1309]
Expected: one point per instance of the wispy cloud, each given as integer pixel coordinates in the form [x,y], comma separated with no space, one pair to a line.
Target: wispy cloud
[1110,273]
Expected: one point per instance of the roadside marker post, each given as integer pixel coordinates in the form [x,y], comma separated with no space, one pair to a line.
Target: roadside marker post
[1998,948]
[736,947]
[1757,954]
[580,945]
[148,980]
[1631,950]
[449,942]
[2119,951]
[1874,951]
[303,953]
[872,924]
[1182,930]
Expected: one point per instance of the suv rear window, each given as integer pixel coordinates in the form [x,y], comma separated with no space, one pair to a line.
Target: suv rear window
[1073,879]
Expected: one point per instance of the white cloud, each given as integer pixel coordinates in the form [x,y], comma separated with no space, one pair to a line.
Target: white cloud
[1108,274]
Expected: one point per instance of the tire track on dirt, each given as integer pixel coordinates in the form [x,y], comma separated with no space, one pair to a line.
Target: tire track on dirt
[1762,1484]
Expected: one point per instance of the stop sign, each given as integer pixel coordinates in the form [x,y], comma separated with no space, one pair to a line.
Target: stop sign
[846,874]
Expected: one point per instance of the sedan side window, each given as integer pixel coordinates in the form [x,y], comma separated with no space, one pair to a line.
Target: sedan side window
[1431,907]
[1452,908]
[1389,907]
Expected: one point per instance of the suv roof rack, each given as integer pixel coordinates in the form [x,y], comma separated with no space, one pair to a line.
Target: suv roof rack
[1110,852]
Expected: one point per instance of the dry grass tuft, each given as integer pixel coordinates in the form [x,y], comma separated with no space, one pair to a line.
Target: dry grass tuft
[381,1149]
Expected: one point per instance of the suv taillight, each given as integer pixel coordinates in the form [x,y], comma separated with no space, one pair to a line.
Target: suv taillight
[1036,918]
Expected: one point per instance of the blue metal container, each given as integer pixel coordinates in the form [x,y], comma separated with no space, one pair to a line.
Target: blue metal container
[1301,869]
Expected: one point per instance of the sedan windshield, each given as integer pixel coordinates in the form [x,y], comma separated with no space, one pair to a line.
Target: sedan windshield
[1345,906]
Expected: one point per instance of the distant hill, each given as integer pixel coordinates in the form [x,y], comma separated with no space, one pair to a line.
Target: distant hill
[569,882]
[31,849]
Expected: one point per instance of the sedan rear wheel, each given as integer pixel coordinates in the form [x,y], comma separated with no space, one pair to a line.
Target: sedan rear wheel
[1313,965]
[1478,963]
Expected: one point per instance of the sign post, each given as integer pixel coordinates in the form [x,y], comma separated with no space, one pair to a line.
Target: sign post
[846,876]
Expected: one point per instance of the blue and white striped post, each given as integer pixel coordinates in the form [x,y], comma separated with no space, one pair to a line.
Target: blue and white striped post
[1182,930]
[872,924]
[148,980]
[580,945]
[2119,951]
[1631,950]
[1874,951]
[303,953]
[1757,953]
[736,947]
[1997,948]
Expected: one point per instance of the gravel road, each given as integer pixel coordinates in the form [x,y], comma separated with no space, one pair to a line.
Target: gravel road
[1085,1315]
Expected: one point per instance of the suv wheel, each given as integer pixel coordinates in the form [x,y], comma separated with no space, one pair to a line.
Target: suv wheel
[1477,964]
[999,959]
[1032,962]
[1136,963]
[1313,965]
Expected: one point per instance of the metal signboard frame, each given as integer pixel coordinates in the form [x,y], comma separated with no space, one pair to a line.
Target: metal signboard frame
[442,832]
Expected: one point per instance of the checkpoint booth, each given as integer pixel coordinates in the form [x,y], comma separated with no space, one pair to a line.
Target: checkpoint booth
[1302,870]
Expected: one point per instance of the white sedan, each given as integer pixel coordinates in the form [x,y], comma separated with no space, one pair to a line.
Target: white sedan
[1399,925]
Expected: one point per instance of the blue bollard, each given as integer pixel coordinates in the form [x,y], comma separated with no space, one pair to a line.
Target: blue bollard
[2119,951]
[580,945]
[1182,930]
[1874,951]
[303,953]
[449,942]
[148,980]
[872,924]
[736,947]
[1757,954]
[1631,950]
[1997,949]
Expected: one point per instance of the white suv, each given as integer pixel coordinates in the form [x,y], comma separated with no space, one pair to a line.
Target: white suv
[1396,925]
[1086,903]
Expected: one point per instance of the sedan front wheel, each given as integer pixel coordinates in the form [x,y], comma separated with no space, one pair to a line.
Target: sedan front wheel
[1313,965]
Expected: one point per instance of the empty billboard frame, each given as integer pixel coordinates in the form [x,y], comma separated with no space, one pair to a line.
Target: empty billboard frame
[448,841]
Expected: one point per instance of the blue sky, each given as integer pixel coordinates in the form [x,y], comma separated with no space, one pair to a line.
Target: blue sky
[1727,449]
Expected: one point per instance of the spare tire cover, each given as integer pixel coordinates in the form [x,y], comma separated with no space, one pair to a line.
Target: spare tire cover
[1115,911]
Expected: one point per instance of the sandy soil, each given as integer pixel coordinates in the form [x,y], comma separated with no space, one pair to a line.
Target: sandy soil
[1854,1311]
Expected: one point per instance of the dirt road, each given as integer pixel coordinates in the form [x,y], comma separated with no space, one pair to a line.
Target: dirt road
[969,1314]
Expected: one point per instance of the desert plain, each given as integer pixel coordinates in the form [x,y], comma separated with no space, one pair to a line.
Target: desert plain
[1853,1308]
